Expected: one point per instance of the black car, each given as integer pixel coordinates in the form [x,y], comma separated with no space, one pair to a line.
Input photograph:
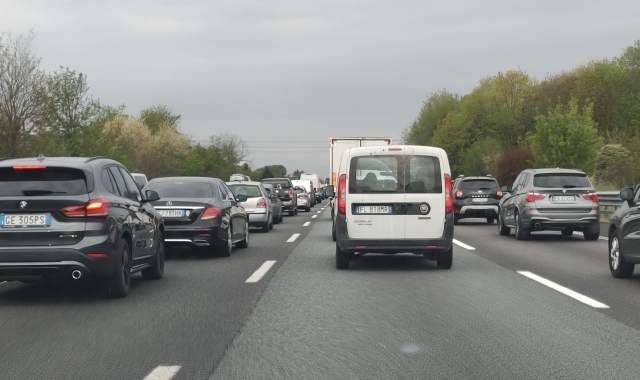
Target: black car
[201,212]
[284,190]
[76,217]
[624,250]
[476,197]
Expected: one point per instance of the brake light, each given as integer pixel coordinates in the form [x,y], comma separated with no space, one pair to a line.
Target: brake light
[94,208]
[459,194]
[262,203]
[342,195]
[499,193]
[302,195]
[27,167]
[395,149]
[290,193]
[530,196]
[210,213]
[593,197]
[448,194]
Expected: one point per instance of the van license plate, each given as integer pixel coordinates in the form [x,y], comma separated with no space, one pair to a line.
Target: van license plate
[373,210]
[30,220]
[563,198]
[171,213]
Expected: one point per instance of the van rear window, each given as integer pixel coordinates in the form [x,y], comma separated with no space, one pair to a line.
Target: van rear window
[395,174]
[49,181]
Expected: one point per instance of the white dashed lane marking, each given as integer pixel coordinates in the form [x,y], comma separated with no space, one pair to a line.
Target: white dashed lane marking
[461,244]
[163,372]
[566,291]
[318,212]
[306,224]
[315,216]
[258,274]
[293,238]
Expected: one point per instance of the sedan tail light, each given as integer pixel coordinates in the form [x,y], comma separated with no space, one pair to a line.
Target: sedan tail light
[530,196]
[302,195]
[210,213]
[94,208]
[262,203]
[593,197]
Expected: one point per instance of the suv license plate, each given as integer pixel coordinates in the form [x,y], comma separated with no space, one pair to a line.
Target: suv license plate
[480,199]
[171,213]
[27,220]
[563,198]
[373,210]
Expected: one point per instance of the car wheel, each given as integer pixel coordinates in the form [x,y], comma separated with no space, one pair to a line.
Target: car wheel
[618,266]
[521,232]
[456,218]
[296,211]
[281,218]
[592,232]
[567,232]
[490,220]
[228,247]
[342,258]
[502,229]
[118,285]
[157,270]
[308,209]
[276,220]
[445,259]
[292,212]
[333,231]
[245,242]
[265,227]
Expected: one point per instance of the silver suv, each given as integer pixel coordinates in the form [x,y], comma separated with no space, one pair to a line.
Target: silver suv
[550,199]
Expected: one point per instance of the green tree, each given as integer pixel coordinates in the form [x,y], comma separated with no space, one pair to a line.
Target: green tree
[566,137]
[511,162]
[296,174]
[156,116]
[434,109]
[266,173]
[615,165]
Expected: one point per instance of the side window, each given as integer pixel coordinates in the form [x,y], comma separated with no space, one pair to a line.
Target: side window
[120,186]
[223,192]
[228,191]
[106,181]
[525,180]
[133,191]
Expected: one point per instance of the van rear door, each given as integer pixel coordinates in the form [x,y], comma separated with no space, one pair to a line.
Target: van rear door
[424,193]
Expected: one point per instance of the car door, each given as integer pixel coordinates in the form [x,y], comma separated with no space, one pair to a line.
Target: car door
[630,229]
[144,212]
[508,204]
[238,223]
[424,196]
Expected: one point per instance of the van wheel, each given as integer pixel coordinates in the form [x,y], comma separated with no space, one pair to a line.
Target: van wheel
[521,232]
[333,231]
[118,285]
[342,258]
[157,270]
[502,229]
[445,259]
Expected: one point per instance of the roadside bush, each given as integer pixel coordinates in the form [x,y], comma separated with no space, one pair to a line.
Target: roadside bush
[511,162]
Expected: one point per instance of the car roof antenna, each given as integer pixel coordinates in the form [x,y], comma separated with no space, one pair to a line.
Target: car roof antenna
[40,157]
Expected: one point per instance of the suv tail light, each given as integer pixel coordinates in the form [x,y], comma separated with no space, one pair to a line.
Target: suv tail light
[290,193]
[459,194]
[262,203]
[342,195]
[94,208]
[210,213]
[530,196]
[499,193]
[448,194]
[593,197]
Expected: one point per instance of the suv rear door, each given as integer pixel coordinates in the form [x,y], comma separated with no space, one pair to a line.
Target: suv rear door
[563,192]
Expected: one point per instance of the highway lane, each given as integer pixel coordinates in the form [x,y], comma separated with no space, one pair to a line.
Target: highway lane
[183,322]
[392,317]
[570,261]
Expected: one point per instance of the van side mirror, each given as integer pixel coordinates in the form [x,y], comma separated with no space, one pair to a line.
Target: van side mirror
[329,191]
[626,194]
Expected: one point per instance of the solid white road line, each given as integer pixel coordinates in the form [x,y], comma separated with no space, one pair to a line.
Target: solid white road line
[566,291]
[599,237]
[2,282]
[293,238]
[306,224]
[315,216]
[461,244]
[264,268]
[163,372]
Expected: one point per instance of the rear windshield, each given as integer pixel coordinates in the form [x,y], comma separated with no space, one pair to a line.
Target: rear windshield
[561,180]
[49,181]
[479,184]
[182,189]
[250,191]
[395,174]
[282,183]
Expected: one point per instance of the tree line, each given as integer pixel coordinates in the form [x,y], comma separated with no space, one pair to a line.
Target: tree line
[586,118]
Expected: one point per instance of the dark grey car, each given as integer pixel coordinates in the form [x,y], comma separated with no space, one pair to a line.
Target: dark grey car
[624,250]
[276,204]
[550,199]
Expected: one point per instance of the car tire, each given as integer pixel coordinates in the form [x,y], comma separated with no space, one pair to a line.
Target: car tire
[592,232]
[618,266]
[342,258]
[522,233]
[118,285]
[456,218]
[296,211]
[245,242]
[333,231]
[567,232]
[502,229]
[445,259]
[157,270]
[490,220]
[228,247]
[281,218]
[292,212]
[308,209]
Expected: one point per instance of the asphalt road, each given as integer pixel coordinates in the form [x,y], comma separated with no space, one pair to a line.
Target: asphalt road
[388,317]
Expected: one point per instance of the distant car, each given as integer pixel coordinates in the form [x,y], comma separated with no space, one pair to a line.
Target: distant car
[313,177]
[239,177]
[550,199]
[201,212]
[476,197]
[77,217]
[276,203]
[284,190]
[141,180]
[257,205]
[308,185]
[304,200]
[624,229]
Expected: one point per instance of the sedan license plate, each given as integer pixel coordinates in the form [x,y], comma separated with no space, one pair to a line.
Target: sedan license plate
[480,199]
[171,213]
[563,198]
[27,220]
[373,210]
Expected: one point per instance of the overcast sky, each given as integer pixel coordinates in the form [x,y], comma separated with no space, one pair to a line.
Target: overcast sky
[287,75]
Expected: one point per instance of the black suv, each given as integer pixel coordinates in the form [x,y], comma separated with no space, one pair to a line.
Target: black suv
[75,217]
[284,190]
[476,197]
[624,250]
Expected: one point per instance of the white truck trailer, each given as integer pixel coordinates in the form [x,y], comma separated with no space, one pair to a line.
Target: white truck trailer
[337,145]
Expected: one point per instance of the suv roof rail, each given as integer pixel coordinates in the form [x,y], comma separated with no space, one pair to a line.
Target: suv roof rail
[489,175]
[6,158]
[96,158]
[461,176]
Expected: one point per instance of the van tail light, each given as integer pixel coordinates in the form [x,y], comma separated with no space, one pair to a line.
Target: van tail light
[593,197]
[94,208]
[530,196]
[342,194]
[459,194]
[499,193]
[210,213]
[448,194]
[262,203]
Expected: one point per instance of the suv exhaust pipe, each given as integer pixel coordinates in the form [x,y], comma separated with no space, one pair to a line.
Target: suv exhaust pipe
[76,274]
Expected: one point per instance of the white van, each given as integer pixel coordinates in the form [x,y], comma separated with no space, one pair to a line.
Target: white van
[315,180]
[394,199]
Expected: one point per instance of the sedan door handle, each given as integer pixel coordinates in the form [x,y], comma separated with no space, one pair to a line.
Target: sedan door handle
[127,205]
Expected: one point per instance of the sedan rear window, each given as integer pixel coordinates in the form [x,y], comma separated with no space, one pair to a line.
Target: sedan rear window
[561,180]
[250,191]
[182,189]
[48,182]
[479,184]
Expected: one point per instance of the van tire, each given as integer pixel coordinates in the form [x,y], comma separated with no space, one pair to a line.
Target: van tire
[333,231]
[342,258]
[445,259]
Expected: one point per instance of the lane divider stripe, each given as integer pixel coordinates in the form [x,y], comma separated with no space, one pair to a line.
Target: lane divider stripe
[163,372]
[293,238]
[260,272]
[306,224]
[566,291]
[465,246]
[315,216]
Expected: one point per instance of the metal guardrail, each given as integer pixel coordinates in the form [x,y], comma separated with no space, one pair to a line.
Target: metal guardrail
[609,202]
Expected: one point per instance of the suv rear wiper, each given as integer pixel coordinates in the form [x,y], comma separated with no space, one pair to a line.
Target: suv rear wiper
[41,192]
[569,186]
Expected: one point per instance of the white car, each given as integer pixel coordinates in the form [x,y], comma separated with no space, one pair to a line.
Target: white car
[394,199]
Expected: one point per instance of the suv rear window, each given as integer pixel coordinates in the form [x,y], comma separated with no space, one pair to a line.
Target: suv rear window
[250,191]
[395,174]
[48,181]
[282,183]
[479,184]
[561,180]
[182,189]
